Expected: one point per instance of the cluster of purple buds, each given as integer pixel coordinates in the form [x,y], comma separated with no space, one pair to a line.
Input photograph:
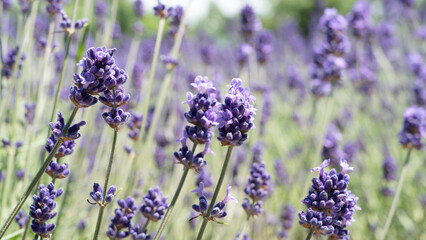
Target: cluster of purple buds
[68,26]
[360,20]
[121,224]
[175,16]
[155,205]
[42,210]
[286,217]
[30,112]
[21,218]
[101,76]
[414,128]
[236,115]
[330,205]
[97,196]
[217,210]
[138,7]
[250,24]
[135,124]
[256,189]
[161,11]
[329,59]
[66,148]
[390,168]
[263,46]
[136,233]
[202,116]
[54,7]
[9,63]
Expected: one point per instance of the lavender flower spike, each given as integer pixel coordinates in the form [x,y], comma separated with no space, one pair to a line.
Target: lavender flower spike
[236,115]
[97,196]
[155,205]
[414,128]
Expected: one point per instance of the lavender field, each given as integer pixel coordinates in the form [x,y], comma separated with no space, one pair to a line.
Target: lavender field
[119,120]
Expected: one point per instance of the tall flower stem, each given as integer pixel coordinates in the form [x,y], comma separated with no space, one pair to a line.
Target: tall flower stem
[311,231]
[7,183]
[216,192]
[397,194]
[175,197]
[145,225]
[148,90]
[108,173]
[37,177]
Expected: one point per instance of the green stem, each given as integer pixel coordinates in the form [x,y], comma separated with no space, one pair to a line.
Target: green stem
[145,225]
[175,197]
[397,194]
[216,192]
[105,189]
[309,234]
[152,74]
[37,177]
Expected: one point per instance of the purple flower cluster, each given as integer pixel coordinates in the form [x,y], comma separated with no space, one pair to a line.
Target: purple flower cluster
[66,148]
[263,46]
[21,219]
[42,210]
[97,196]
[54,7]
[175,16]
[250,24]
[257,187]
[155,205]
[414,128]
[138,8]
[286,217]
[217,210]
[329,59]
[101,76]
[236,115]
[9,63]
[330,204]
[120,224]
[68,26]
[202,116]
[360,20]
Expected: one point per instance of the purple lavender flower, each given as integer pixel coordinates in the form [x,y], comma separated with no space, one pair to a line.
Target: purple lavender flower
[281,174]
[245,237]
[55,170]
[116,117]
[250,24]
[175,15]
[155,205]
[414,128]
[286,217]
[390,168]
[360,19]
[101,8]
[6,4]
[138,8]
[20,174]
[256,188]
[68,26]
[330,149]
[81,226]
[9,63]
[263,46]
[120,225]
[53,6]
[420,92]
[97,196]
[135,124]
[205,177]
[236,115]
[21,218]
[29,112]
[42,210]
[136,233]
[25,6]
[243,54]
[161,11]
[217,210]
[330,204]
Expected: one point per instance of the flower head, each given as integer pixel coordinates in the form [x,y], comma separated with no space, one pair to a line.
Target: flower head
[155,205]
[414,128]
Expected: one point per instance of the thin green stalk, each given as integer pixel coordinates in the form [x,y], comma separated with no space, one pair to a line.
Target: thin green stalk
[37,177]
[145,225]
[216,192]
[172,204]
[152,74]
[110,27]
[397,195]
[310,234]
[108,173]
[13,235]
